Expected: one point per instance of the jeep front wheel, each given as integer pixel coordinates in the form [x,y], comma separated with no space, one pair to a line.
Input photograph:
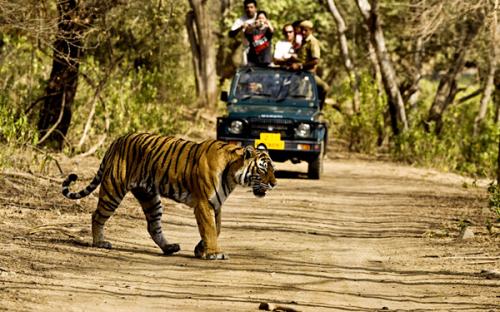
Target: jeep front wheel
[315,167]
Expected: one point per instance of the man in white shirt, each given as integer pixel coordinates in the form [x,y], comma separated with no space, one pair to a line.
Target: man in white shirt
[242,23]
[284,50]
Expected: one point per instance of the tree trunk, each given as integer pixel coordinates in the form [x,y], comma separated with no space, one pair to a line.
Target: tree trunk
[377,78]
[344,48]
[396,106]
[496,98]
[489,84]
[199,22]
[412,92]
[376,72]
[447,88]
[62,85]
[498,164]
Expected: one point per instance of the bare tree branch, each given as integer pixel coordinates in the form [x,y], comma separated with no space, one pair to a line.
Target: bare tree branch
[489,84]
[396,105]
[344,48]
[58,121]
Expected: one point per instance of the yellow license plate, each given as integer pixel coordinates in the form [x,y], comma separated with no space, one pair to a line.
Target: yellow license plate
[271,141]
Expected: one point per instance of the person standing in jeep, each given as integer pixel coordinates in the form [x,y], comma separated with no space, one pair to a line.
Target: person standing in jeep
[250,7]
[308,57]
[309,54]
[284,49]
[259,36]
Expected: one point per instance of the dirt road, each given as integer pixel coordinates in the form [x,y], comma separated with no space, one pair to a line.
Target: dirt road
[368,236]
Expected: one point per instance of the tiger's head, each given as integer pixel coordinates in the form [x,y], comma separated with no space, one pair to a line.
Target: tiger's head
[257,171]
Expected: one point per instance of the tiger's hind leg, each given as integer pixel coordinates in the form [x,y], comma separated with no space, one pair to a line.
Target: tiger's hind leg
[105,209]
[153,210]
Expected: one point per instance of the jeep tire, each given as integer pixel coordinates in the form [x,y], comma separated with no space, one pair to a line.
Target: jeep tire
[315,166]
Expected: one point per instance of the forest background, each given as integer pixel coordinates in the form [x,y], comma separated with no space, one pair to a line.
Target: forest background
[413,79]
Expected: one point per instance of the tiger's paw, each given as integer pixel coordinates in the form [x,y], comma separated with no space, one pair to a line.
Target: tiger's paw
[216,256]
[102,244]
[199,252]
[170,249]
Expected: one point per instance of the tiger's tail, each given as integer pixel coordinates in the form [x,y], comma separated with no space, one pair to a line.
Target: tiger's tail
[86,191]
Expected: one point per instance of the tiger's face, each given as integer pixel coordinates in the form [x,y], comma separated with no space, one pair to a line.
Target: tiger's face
[259,171]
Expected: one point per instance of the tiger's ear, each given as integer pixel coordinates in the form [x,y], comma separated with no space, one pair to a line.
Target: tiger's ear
[249,152]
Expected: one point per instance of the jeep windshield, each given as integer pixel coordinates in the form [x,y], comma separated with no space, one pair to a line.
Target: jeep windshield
[273,84]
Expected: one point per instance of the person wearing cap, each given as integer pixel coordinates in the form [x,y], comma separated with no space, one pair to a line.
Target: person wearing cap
[308,57]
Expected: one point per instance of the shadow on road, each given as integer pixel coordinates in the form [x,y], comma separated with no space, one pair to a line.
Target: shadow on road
[286,174]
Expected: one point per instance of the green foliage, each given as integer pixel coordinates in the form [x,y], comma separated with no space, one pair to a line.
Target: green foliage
[364,130]
[455,148]
[424,148]
[139,54]
[132,103]
[15,127]
[19,84]
[494,200]
[21,73]
[136,54]
[135,101]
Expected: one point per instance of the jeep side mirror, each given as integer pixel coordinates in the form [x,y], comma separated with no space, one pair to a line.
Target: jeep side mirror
[223,96]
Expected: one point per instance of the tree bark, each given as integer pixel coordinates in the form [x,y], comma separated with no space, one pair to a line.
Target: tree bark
[377,78]
[396,106]
[344,48]
[496,97]
[412,92]
[498,163]
[63,81]
[489,84]
[447,88]
[199,22]
[376,72]
[496,100]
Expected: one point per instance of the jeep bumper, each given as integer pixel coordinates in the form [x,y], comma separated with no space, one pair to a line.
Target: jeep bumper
[290,150]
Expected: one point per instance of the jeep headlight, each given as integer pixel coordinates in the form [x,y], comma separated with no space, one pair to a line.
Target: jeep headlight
[235,127]
[303,130]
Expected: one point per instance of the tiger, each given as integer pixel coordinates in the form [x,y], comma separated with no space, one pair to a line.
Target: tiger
[200,175]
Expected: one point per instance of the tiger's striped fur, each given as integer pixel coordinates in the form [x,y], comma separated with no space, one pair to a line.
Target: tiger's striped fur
[201,175]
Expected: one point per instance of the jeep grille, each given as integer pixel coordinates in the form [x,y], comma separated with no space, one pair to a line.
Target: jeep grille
[282,126]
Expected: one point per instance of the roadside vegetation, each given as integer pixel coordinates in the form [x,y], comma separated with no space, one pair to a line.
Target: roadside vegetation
[140,69]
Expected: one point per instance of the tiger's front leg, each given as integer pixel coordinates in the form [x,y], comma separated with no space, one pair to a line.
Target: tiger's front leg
[209,228]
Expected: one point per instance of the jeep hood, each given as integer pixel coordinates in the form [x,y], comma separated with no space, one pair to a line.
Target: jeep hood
[268,111]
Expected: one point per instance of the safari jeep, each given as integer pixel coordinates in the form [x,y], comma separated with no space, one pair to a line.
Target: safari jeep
[279,110]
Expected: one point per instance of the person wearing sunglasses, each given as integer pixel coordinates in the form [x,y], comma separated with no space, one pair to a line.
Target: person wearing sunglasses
[284,50]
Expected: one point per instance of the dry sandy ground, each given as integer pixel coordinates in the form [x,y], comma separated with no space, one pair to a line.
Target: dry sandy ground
[369,236]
